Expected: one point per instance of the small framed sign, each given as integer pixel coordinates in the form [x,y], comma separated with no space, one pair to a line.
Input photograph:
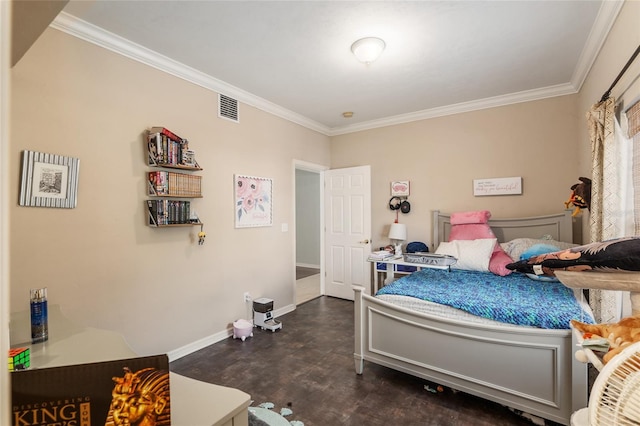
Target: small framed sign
[497,186]
[400,188]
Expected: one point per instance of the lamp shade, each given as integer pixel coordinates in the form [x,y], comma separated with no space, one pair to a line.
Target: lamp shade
[398,231]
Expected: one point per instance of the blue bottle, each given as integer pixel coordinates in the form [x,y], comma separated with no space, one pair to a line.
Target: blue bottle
[39,315]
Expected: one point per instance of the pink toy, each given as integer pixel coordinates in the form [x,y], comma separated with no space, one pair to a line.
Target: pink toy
[242,329]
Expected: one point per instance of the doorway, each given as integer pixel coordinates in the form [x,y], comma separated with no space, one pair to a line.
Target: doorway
[308,214]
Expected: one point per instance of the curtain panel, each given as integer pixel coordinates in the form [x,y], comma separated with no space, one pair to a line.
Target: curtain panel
[601,131]
[601,122]
[633,120]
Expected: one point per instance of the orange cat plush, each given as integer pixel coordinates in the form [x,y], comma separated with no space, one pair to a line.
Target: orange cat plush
[619,335]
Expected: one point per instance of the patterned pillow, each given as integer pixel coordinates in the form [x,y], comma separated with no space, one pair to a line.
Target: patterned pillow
[537,250]
[621,254]
[516,247]
[472,255]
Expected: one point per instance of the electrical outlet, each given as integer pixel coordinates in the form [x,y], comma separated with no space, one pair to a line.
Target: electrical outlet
[247,296]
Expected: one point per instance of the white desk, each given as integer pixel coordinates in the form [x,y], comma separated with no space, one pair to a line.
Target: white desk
[193,403]
[391,268]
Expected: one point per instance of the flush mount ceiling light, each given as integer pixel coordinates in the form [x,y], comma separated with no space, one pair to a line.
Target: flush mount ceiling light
[368,49]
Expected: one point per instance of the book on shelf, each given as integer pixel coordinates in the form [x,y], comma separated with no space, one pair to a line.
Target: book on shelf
[153,212]
[163,150]
[189,158]
[169,212]
[164,131]
[154,147]
[165,183]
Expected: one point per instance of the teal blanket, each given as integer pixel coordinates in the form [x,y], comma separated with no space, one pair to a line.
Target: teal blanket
[514,299]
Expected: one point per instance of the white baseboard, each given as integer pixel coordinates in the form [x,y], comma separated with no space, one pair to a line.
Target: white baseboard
[307,265]
[199,344]
[217,337]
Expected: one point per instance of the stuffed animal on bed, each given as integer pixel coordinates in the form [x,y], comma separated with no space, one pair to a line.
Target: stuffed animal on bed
[580,196]
[619,335]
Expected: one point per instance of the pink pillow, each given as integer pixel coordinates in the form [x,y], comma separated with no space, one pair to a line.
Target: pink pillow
[499,261]
[461,218]
[465,230]
[471,231]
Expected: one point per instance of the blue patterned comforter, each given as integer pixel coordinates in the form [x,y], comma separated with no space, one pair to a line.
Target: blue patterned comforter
[514,299]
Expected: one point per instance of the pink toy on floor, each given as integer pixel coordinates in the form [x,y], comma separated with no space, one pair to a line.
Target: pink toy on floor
[242,329]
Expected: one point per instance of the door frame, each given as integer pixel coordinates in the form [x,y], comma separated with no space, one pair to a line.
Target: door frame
[314,168]
[5,80]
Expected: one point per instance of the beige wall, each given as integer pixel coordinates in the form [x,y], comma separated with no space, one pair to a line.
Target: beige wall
[622,41]
[441,157]
[100,262]
[38,14]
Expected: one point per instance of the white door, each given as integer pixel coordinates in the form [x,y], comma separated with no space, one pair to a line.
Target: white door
[347,201]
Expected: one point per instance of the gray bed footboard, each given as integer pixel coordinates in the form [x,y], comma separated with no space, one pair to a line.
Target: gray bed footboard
[529,369]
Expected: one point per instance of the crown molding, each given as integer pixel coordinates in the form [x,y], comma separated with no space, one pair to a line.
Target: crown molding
[496,101]
[607,15]
[83,30]
[88,32]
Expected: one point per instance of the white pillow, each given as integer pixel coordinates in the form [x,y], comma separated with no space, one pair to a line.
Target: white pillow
[472,255]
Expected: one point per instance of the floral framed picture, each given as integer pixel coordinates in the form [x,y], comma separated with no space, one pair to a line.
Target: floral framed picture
[49,180]
[253,201]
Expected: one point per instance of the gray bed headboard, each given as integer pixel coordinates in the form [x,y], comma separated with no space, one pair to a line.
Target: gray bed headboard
[559,226]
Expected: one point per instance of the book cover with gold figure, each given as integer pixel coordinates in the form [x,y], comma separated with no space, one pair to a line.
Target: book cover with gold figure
[128,392]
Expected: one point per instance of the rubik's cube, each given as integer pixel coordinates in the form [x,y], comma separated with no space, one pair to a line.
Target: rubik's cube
[19,359]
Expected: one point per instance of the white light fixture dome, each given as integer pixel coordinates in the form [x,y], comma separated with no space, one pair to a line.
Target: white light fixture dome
[368,49]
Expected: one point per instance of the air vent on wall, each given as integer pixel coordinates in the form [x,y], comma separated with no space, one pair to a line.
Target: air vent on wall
[228,108]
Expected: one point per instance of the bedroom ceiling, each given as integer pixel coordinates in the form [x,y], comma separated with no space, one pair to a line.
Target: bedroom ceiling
[293,58]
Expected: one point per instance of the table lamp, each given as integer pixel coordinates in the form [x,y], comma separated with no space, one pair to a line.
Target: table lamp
[397,234]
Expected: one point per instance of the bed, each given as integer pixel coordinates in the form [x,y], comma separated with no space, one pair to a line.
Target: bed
[525,368]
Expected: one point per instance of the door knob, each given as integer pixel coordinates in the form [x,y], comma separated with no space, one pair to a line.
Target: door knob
[364,242]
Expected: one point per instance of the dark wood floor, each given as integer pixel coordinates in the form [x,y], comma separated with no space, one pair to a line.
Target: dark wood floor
[302,272]
[308,365]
